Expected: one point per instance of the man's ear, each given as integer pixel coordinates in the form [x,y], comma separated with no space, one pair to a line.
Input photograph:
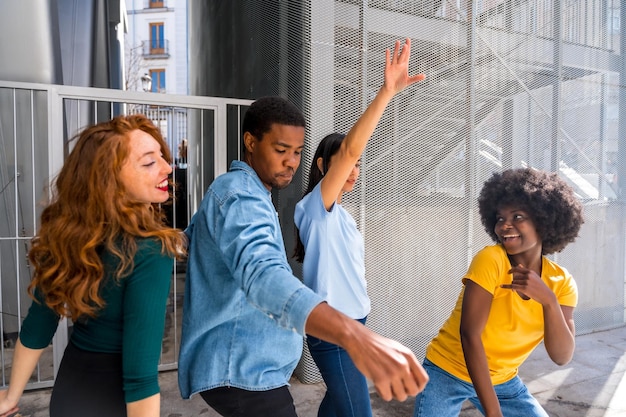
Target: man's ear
[320,165]
[249,141]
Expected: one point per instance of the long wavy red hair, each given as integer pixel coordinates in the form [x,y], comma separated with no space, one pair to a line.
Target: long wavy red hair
[90,212]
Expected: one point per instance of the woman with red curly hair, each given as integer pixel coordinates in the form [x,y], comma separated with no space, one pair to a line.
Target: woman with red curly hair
[103,258]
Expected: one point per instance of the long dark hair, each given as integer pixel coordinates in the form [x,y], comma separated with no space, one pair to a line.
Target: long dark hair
[325,150]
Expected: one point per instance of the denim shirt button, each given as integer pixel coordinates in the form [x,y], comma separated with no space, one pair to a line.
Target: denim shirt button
[270,315]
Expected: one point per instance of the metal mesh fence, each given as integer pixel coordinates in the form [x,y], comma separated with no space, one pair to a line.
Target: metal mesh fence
[509,84]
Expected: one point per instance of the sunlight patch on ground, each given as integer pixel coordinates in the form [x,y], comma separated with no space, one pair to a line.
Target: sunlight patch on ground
[550,381]
[617,405]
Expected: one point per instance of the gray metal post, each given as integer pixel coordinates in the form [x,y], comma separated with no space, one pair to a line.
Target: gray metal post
[555,156]
[364,102]
[602,186]
[621,142]
[470,140]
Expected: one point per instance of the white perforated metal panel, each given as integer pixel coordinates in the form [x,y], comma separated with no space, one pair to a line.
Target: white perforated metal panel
[508,85]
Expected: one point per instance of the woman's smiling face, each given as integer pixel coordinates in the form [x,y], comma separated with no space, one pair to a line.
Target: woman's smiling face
[516,230]
[145,172]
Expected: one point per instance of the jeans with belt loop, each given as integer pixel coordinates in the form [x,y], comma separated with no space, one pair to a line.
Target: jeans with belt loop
[347,393]
[444,395]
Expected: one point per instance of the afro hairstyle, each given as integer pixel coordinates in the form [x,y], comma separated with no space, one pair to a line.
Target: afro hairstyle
[549,201]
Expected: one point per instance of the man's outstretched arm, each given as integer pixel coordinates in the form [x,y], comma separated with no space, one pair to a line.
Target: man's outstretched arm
[391,366]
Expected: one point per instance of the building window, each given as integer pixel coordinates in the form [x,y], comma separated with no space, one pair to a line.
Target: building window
[158,80]
[157,38]
[154,4]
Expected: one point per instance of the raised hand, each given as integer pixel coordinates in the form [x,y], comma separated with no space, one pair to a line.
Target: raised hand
[397,68]
[396,79]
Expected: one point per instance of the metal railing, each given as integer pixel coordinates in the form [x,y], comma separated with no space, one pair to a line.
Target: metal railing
[155,48]
[37,122]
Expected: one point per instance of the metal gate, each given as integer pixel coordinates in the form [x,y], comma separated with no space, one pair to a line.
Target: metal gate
[36,123]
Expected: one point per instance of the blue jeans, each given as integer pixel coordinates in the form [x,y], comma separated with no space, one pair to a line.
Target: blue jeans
[347,393]
[444,395]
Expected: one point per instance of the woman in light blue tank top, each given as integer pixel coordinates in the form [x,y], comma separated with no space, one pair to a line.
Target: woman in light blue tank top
[330,246]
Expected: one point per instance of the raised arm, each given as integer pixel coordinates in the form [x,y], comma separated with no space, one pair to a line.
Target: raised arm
[396,79]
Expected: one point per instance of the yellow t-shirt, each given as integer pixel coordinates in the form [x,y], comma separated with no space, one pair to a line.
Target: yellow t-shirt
[514,327]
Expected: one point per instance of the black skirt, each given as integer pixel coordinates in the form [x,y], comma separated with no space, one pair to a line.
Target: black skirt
[88,384]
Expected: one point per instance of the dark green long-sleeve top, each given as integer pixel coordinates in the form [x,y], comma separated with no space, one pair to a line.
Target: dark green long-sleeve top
[132,321]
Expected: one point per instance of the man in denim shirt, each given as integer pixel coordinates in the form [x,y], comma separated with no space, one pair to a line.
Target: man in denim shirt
[244,312]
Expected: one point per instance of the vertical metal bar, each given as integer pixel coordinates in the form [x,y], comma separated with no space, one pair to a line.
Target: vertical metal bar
[589,38]
[55,162]
[470,140]
[508,106]
[602,186]
[556,87]
[604,94]
[220,144]
[15,175]
[529,134]
[14,105]
[621,144]
[202,164]
[73,129]
[364,101]
[171,139]
[33,182]
[239,121]
[33,192]
[18,286]
[175,142]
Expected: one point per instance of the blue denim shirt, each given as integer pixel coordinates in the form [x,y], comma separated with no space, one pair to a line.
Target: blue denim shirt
[244,312]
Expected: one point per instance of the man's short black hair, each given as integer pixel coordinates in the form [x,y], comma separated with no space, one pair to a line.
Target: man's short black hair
[266,111]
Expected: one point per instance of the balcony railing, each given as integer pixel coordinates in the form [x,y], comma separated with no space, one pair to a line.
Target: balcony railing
[155,48]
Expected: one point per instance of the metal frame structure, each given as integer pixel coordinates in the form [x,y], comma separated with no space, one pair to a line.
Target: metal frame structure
[68,109]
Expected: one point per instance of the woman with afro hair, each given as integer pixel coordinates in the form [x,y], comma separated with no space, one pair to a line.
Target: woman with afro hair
[513,299]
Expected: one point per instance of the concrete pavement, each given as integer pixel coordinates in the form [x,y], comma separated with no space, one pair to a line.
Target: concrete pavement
[592,385]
